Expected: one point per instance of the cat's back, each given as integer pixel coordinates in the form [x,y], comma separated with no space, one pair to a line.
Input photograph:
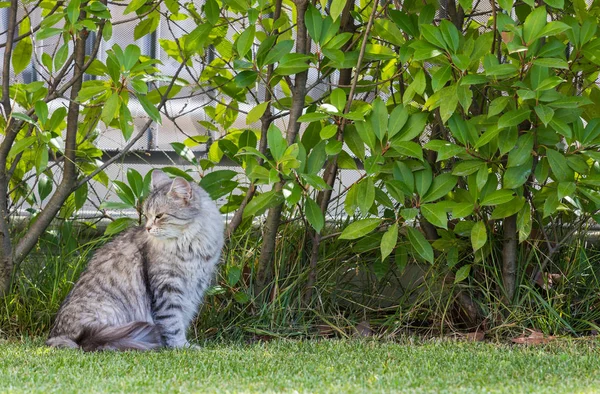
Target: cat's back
[111,290]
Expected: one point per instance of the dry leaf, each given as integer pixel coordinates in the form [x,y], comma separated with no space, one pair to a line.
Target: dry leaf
[363,329]
[476,336]
[534,338]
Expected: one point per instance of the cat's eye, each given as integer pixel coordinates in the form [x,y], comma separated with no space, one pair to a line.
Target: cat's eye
[160,215]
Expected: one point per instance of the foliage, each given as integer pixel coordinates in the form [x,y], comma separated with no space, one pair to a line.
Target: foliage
[474,140]
[50,152]
[480,134]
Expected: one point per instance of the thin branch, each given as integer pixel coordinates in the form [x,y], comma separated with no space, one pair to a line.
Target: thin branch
[139,135]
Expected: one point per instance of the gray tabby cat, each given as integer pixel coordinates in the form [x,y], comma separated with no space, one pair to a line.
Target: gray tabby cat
[142,290]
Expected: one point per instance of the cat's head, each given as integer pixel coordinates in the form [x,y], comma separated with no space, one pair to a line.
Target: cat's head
[172,206]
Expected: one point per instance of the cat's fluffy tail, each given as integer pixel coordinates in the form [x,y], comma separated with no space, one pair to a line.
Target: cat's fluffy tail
[131,336]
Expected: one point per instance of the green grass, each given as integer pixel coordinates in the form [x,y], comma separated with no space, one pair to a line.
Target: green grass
[308,366]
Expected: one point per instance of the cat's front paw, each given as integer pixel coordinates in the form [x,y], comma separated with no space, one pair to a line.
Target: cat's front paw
[192,346]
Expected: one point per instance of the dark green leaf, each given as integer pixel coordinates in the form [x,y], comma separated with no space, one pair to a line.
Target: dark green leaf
[314,215]
[388,241]
[420,244]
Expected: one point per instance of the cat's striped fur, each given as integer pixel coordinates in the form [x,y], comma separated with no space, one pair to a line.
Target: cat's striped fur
[142,289]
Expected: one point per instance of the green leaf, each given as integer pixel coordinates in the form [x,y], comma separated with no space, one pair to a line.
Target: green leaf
[61,56]
[565,189]
[442,185]
[44,186]
[360,228]
[551,63]
[478,236]
[450,34]
[522,152]
[487,137]
[555,3]
[131,56]
[73,11]
[134,5]
[244,42]
[435,214]
[146,26]
[379,118]
[497,105]
[314,215]
[420,244]
[534,24]
[316,159]
[516,176]
[246,78]
[255,113]
[41,110]
[278,51]
[293,63]
[513,118]
[119,225]
[409,149]
[136,182]
[150,109]
[212,10]
[497,197]
[365,194]
[559,166]
[467,167]
[20,145]
[388,241]
[310,117]
[277,144]
[109,109]
[544,113]
[219,183]
[328,131]
[554,28]
[233,275]
[314,22]
[336,8]
[506,5]
[262,202]
[508,208]
[462,273]
[21,56]
[338,99]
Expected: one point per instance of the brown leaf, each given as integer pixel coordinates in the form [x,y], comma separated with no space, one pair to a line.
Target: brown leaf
[476,336]
[507,37]
[534,338]
[547,280]
[363,329]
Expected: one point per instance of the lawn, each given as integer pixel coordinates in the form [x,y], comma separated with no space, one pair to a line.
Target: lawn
[308,366]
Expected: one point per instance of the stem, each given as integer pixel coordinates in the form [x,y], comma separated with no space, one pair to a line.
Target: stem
[12,129]
[265,121]
[69,177]
[265,262]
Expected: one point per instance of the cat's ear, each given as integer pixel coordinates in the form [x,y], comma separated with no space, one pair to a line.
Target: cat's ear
[181,188]
[159,179]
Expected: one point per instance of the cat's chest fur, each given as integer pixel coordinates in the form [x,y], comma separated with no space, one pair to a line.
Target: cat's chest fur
[185,265]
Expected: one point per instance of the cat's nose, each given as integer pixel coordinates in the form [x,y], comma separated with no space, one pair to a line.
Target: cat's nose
[148,228]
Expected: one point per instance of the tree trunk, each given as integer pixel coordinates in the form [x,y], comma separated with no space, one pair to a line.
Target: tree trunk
[331,170]
[509,257]
[265,122]
[265,261]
